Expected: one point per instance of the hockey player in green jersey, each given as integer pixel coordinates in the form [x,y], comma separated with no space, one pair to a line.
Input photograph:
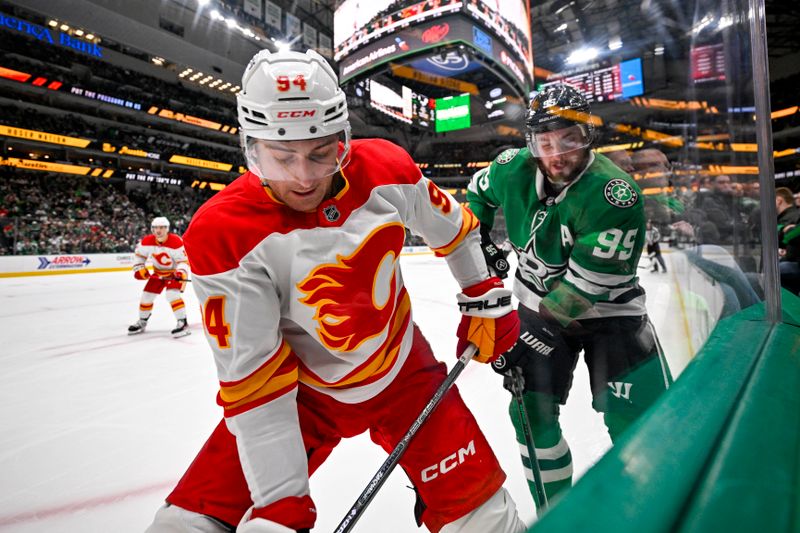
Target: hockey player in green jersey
[577,224]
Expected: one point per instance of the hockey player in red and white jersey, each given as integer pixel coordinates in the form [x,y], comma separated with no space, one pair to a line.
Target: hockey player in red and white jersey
[296,267]
[170,272]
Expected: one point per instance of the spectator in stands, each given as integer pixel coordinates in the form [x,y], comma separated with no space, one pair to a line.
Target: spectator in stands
[722,212]
[652,167]
[622,159]
[52,214]
[730,220]
[788,239]
[666,210]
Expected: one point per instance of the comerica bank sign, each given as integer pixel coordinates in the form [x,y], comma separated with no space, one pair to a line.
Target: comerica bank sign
[40,33]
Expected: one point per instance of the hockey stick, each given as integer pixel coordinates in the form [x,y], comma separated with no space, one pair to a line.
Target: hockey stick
[156,276]
[377,481]
[517,383]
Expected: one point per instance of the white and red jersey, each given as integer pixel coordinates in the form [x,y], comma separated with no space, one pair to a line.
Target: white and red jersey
[166,256]
[315,297]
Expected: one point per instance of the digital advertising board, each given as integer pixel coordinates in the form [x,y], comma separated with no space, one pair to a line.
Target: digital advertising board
[452,113]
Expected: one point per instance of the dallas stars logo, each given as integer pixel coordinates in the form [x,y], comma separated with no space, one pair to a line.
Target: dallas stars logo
[535,271]
[506,156]
[619,193]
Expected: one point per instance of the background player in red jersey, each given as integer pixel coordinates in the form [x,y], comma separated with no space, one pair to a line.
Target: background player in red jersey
[296,267]
[170,272]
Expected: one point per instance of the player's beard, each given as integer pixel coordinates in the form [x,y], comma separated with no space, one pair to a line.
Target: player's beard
[564,180]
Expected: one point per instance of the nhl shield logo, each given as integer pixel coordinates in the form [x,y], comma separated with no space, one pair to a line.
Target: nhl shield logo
[618,192]
[331,213]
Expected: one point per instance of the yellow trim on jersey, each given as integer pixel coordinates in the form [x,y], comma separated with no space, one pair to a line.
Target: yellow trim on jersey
[271,195]
[275,384]
[346,187]
[468,223]
[259,382]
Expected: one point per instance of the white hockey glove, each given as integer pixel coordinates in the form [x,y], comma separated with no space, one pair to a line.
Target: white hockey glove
[489,322]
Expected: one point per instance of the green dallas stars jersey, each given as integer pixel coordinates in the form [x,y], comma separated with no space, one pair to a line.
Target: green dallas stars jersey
[578,252]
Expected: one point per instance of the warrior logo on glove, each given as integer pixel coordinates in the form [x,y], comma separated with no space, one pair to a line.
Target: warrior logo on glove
[500,364]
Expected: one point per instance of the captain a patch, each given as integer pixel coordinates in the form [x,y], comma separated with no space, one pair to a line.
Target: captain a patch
[619,193]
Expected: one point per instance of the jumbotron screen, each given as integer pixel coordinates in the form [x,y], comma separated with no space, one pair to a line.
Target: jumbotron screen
[356,23]
[369,34]
[508,19]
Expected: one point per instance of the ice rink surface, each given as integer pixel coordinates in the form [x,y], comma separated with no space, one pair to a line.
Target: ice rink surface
[99,426]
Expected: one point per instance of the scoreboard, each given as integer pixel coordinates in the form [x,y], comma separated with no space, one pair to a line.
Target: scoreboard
[708,63]
[622,80]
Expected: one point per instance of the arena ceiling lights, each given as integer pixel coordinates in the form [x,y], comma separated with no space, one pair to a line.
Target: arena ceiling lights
[231,22]
[207,80]
[83,34]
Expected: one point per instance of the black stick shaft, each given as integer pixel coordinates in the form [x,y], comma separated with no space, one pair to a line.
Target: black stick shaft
[539,494]
[377,481]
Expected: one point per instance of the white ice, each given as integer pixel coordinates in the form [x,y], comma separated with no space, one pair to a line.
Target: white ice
[97,426]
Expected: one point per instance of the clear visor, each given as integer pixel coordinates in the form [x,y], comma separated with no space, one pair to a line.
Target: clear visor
[305,160]
[552,143]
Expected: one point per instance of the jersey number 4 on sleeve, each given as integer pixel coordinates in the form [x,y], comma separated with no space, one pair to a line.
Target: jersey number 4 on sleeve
[214,320]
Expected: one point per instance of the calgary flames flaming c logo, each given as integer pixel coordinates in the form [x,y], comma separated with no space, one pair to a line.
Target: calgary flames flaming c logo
[162,258]
[356,296]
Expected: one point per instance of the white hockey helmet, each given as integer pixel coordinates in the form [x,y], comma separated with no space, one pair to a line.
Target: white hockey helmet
[291,96]
[160,222]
